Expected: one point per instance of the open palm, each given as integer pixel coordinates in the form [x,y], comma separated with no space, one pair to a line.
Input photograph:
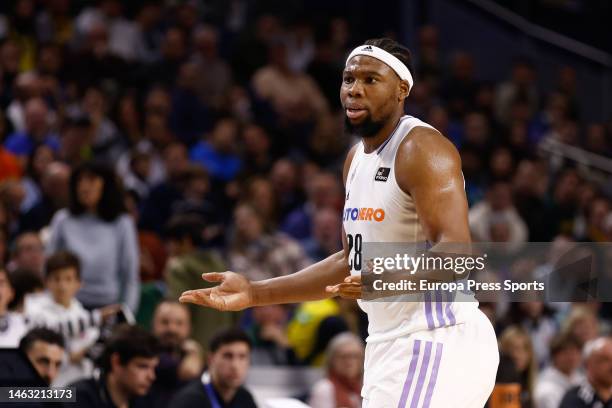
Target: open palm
[234,293]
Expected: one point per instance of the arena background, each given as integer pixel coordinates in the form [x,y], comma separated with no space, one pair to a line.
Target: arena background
[222,122]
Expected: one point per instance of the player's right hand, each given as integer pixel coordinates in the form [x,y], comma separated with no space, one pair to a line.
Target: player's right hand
[235,292]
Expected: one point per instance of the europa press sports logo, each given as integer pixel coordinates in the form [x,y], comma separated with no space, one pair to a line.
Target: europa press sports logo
[363,214]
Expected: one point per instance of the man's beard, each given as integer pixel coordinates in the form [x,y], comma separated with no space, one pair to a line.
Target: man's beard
[365,129]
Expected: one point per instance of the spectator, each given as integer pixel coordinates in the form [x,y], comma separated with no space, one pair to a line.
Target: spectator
[181,358]
[487,218]
[106,141]
[218,153]
[157,208]
[521,85]
[38,161]
[97,230]
[596,390]
[222,384]
[184,235]
[323,190]
[13,324]
[128,365]
[326,235]
[555,380]
[215,77]
[344,366]
[76,139]
[537,320]
[582,324]
[37,130]
[516,343]
[293,96]
[59,310]
[268,334]
[29,254]
[55,195]
[45,350]
[260,254]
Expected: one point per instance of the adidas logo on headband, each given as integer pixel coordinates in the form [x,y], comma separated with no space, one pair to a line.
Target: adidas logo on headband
[391,60]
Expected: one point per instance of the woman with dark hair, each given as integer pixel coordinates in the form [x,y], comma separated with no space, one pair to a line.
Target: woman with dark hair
[98,230]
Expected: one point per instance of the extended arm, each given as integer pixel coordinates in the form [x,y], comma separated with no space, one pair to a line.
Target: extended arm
[236,292]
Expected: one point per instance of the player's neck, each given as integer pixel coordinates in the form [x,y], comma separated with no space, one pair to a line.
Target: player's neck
[372,143]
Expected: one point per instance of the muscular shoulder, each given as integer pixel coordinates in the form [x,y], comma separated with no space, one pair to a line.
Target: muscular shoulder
[425,154]
[347,162]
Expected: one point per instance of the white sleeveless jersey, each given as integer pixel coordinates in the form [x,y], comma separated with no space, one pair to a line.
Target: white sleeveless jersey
[378,210]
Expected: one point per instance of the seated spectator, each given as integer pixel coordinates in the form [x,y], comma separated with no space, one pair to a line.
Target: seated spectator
[55,191]
[294,96]
[97,229]
[326,235]
[516,343]
[127,367]
[537,320]
[582,324]
[45,350]
[59,310]
[222,384]
[181,358]
[555,380]
[76,139]
[489,216]
[29,253]
[37,130]
[596,389]
[218,152]
[157,208]
[268,334]
[324,190]
[344,366]
[184,272]
[260,254]
[12,325]
[37,163]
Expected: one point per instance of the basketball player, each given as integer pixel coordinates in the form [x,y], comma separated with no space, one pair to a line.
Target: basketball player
[403,183]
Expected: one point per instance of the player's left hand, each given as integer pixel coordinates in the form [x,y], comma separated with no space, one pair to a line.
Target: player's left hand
[349,289]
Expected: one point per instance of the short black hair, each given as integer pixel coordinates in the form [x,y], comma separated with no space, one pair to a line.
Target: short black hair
[228,336]
[394,48]
[24,281]
[185,226]
[111,204]
[562,342]
[41,334]
[129,342]
[62,260]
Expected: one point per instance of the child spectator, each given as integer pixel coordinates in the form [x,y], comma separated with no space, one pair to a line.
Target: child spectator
[60,310]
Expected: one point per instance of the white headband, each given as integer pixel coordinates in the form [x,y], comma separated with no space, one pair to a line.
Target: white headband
[392,61]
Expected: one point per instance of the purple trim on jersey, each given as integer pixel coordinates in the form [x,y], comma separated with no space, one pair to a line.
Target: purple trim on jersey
[422,374]
[434,375]
[439,311]
[449,310]
[408,383]
[428,314]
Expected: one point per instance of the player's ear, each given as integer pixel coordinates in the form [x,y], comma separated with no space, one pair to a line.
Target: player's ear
[404,88]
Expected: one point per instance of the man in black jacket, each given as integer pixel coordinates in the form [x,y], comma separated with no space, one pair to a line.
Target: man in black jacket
[221,386]
[127,371]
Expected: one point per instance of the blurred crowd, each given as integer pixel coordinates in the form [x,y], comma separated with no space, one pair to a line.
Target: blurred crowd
[143,144]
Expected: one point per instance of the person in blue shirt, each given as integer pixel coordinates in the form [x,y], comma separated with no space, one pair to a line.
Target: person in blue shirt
[37,130]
